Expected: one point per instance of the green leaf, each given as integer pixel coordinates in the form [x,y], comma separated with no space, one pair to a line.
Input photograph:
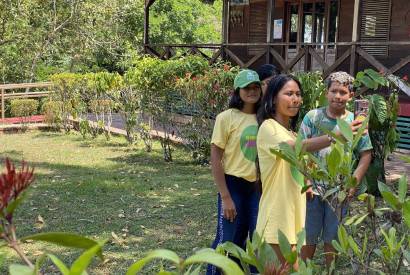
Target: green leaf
[60,265]
[18,269]
[39,263]
[345,129]
[237,252]
[298,144]
[361,219]
[362,197]
[342,235]
[391,199]
[286,248]
[301,240]
[341,196]
[64,239]
[156,254]
[330,192]
[14,204]
[383,187]
[82,262]
[333,161]
[406,213]
[368,82]
[350,220]
[337,246]
[228,266]
[353,245]
[402,188]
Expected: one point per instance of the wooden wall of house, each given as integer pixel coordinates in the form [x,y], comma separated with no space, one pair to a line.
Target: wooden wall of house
[399,31]
[252,29]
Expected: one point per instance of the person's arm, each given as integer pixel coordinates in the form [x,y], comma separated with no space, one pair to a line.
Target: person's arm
[317,143]
[364,162]
[228,205]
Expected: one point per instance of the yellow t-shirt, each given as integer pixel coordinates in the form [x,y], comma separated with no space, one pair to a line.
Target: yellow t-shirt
[282,206]
[235,132]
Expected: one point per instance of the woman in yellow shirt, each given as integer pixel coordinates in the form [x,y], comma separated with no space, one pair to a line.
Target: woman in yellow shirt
[282,206]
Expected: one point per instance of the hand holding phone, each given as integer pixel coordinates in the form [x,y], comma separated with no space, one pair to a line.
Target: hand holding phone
[361,109]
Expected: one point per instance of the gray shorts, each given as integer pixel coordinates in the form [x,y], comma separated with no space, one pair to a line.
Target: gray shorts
[321,221]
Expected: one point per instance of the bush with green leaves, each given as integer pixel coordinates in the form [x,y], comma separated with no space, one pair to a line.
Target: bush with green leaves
[155,80]
[66,89]
[313,95]
[207,95]
[23,107]
[376,239]
[383,112]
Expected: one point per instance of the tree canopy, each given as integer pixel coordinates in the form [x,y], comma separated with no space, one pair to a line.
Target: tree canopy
[39,38]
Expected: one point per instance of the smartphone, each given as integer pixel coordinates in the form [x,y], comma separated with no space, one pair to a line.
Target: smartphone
[361,109]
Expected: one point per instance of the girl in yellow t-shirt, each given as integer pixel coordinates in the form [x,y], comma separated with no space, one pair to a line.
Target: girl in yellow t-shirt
[282,206]
[233,155]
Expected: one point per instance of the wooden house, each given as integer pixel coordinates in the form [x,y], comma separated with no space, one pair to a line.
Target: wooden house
[310,35]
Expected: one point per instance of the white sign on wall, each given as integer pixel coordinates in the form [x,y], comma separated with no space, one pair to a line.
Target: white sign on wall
[277,28]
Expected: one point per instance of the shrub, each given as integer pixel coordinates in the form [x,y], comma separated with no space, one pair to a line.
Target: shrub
[23,107]
[207,95]
[52,112]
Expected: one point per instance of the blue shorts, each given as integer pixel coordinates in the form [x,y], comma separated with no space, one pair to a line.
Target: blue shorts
[321,221]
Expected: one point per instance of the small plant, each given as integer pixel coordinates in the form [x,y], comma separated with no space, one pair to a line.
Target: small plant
[24,108]
[337,168]
[52,113]
[13,186]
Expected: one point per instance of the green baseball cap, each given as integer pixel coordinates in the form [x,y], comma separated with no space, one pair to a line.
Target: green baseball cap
[244,78]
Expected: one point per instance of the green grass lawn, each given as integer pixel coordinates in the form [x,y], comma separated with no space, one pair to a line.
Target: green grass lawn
[107,189]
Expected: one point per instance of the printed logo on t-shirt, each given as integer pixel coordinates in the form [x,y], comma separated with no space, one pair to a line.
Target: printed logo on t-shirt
[248,142]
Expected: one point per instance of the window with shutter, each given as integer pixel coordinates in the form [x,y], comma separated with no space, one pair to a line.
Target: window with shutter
[375,25]
[257,25]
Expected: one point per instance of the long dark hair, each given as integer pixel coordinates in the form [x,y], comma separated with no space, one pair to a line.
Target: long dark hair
[267,109]
[237,103]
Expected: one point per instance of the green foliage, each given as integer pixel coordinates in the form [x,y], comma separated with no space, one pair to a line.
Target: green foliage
[23,107]
[207,95]
[313,92]
[378,235]
[382,119]
[337,168]
[205,256]
[39,39]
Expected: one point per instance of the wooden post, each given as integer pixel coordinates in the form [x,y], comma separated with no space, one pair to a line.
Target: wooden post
[353,55]
[269,37]
[2,104]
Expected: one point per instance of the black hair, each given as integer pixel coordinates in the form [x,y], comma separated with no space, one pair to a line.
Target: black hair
[267,70]
[267,109]
[236,102]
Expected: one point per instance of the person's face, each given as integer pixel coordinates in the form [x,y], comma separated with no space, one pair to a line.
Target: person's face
[288,100]
[264,84]
[250,94]
[337,96]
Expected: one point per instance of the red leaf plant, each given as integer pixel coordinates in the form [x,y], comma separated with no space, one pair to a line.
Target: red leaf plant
[12,184]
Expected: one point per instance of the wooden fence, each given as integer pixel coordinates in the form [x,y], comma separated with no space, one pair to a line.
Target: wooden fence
[304,51]
[27,94]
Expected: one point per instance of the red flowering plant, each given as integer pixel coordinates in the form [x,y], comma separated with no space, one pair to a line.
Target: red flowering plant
[13,185]
[206,95]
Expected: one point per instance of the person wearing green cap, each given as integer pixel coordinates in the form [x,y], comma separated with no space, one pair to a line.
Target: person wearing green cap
[233,162]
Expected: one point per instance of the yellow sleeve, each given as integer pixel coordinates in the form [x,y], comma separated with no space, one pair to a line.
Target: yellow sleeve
[221,130]
[270,137]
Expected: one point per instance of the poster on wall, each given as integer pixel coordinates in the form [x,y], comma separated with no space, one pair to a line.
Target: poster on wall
[277,28]
[239,2]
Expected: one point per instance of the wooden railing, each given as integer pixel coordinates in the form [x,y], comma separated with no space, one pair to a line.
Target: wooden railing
[27,94]
[308,51]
